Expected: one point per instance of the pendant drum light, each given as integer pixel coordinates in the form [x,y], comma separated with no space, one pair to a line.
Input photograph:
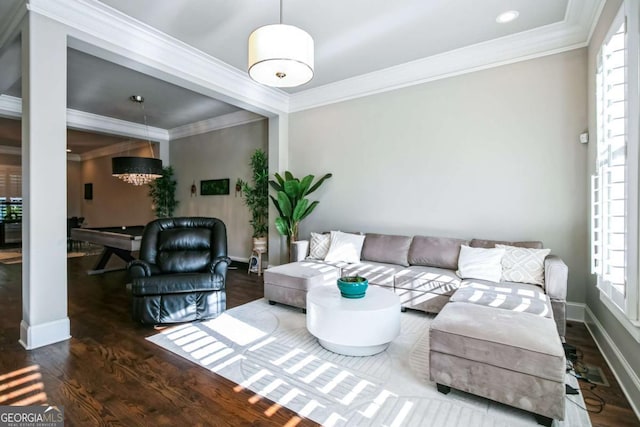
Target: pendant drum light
[280,55]
[137,170]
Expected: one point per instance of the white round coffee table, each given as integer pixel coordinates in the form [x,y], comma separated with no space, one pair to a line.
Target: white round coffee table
[353,327]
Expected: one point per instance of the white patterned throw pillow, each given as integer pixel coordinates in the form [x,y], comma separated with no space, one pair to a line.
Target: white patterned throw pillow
[480,263]
[345,247]
[523,265]
[319,245]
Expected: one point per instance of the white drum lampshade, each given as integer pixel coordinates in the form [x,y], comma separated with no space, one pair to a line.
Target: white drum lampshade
[280,56]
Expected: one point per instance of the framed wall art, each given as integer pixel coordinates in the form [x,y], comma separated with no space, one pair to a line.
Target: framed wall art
[214,187]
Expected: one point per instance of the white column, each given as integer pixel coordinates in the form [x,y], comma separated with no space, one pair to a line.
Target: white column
[44,188]
[278,162]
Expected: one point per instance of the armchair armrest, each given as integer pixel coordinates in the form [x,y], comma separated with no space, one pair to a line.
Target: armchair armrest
[220,265]
[555,277]
[138,268]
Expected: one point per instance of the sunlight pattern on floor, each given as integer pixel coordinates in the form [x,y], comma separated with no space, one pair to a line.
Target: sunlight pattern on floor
[267,350]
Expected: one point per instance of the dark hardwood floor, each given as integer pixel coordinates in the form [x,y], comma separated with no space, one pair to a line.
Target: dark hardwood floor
[108,374]
[616,410]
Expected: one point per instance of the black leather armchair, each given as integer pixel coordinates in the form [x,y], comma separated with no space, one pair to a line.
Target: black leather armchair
[181,273]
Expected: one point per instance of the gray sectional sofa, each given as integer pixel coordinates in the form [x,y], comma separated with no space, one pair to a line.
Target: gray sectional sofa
[497,340]
[422,271]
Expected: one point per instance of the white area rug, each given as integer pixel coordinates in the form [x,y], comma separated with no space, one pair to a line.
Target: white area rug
[268,350]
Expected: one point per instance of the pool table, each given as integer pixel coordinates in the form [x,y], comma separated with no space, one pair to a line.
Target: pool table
[119,241]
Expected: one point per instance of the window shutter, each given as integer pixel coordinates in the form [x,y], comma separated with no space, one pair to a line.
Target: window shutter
[609,185]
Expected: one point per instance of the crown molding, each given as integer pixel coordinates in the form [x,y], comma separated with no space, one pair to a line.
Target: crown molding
[236,118]
[17,151]
[13,151]
[12,23]
[10,107]
[571,33]
[100,30]
[594,20]
[92,122]
[74,157]
[109,150]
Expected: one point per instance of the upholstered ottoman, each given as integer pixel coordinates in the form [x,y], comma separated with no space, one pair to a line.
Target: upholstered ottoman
[510,357]
[289,283]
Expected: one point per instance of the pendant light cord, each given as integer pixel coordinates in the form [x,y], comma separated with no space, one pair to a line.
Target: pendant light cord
[146,126]
[280,12]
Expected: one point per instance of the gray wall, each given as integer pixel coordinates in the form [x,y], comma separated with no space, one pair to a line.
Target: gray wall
[491,154]
[75,189]
[619,347]
[223,153]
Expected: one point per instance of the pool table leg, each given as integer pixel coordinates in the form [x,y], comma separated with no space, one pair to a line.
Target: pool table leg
[106,255]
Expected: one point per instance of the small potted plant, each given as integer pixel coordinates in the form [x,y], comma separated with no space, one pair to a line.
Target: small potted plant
[353,286]
[256,197]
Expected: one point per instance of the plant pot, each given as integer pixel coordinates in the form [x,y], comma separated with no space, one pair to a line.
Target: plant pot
[260,244]
[353,286]
[298,250]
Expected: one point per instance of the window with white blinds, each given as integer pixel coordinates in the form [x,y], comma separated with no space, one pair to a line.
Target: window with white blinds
[615,219]
[10,193]
[609,184]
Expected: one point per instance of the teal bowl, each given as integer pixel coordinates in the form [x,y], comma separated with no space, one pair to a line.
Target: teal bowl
[350,288]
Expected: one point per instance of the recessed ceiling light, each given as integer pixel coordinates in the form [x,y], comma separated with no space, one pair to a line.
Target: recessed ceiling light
[507,16]
[68,150]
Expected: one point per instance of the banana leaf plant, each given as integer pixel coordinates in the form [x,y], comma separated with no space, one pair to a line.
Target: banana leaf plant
[292,203]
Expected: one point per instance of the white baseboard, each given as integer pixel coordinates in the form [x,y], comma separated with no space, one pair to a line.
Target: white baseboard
[47,333]
[615,359]
[575,311]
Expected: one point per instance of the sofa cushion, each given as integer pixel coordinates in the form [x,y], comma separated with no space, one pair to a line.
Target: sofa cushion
[411,277]
[480,263]
[503,297]
[428,279]
[438,252]
[524,265]
[345,247]
[301,275]
[522,289]
[479,243]
[386,248]
[319,245]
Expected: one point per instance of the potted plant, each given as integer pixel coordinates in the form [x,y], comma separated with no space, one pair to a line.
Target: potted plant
[163,194]
[256,198]
[353,286]
[292,203]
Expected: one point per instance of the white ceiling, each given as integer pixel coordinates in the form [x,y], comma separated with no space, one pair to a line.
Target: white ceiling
[353,38]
